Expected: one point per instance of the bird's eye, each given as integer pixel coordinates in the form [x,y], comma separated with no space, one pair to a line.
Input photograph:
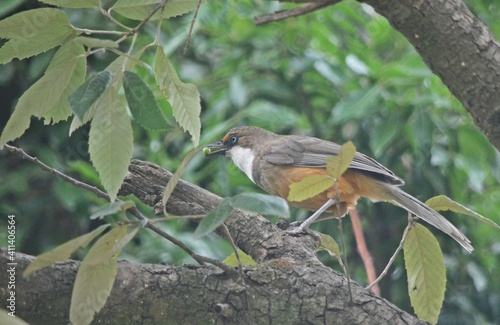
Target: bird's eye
[233,139]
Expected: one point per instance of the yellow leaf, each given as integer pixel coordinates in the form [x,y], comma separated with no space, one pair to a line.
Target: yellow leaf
[62,251]
[336,166]
[96,275]
[309,187]
[245,259]
[111,141]
[444,203]
[328,244]
[426,273]
[183,97]
[172,183]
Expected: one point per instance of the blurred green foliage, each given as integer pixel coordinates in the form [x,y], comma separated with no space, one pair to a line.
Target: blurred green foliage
[341,74]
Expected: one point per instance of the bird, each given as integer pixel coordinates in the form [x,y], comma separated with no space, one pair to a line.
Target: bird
[274,162]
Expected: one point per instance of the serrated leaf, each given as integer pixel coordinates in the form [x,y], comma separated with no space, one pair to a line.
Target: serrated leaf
[172,183]
[112,208]
[81,100]
[25,47]
[426,273]
[61,110]
[328,244]
[96,275]
[111,141]
[138,10]
[44,94]
[213,219]
[261,204]
[309,187]
[62,251]
[184,97]
[72,3]
[142,103]
[336,166]
[28,23]
[93,42]
[119,64]
[245,259]
[444,203]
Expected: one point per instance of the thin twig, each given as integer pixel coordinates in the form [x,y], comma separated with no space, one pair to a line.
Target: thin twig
[148,17]
[346,266]
[235,249]
[366,257]
[285,14]
[107,14]
[411,224]
[93,31]
[134,211]
[191,26]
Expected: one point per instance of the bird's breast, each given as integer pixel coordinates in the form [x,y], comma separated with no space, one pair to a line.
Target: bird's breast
[243,158]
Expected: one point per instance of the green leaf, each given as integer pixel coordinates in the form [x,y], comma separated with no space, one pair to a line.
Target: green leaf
[5,318]
[444,203]
[96,275]
[261,204]
[309,187]
[93,42]
[121,63]
[112,208]
[47,92]
[50,35]
[62,251]
[245,259]
[426,273]
[61,110]
[142,103]
[7,6]
[29,23]
[336,166]
[172,183]
[81,100]
[72,3]
[111,141]
[213,219]
[357,104]
[329,245]
[138,10]
[184,97]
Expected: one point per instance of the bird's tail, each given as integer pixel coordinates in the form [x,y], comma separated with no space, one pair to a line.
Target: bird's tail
[424,212]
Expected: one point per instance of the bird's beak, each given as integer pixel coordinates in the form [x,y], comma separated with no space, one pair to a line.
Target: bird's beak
[216,148]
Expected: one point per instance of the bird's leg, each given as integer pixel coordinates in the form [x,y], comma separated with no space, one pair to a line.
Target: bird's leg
[311,219]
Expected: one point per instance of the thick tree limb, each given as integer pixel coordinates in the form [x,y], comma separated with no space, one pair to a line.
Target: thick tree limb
[458,48]
[289,286]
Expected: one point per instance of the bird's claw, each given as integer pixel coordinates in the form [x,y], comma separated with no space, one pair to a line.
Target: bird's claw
[300,230]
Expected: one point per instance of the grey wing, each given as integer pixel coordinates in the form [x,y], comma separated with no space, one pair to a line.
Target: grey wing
[312,152]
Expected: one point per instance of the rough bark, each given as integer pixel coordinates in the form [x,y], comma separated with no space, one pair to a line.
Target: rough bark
[458,48]
[289,285]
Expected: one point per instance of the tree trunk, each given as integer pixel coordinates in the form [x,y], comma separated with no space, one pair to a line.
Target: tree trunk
[458,48]
[289,285]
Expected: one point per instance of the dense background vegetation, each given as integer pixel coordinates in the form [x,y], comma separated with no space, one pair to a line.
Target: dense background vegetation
[341,74]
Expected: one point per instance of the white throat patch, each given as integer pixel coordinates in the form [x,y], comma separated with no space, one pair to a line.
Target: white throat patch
[243,159]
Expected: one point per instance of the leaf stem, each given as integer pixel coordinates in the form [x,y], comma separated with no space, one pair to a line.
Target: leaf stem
[94,31]
[411,224]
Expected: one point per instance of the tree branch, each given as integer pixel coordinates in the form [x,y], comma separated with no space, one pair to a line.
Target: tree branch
[285,14]
[458,48]
[289,285]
